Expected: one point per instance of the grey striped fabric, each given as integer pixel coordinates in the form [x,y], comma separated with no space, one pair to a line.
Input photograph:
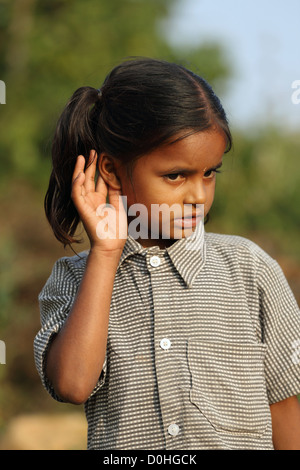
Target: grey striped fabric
[201,341]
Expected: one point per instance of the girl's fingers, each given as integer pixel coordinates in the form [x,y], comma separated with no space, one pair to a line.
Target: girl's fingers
[78,175]
[101,187]
[78,181]
[79,168]
[90,172]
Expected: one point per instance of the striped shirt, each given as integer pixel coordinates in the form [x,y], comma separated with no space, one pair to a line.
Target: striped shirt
[202,338]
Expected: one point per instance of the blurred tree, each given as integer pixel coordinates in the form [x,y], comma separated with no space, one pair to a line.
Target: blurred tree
[259,190]
[51,47]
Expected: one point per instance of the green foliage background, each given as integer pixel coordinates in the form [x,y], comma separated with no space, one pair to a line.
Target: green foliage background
[48,49]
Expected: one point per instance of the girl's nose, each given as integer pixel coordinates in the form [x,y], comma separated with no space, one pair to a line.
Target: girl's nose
[196,193]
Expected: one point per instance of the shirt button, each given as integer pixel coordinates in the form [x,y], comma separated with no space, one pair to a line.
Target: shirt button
[173,429]
[165,343]
[155,261]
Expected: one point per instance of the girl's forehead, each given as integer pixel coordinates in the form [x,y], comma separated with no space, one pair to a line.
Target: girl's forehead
[200,148]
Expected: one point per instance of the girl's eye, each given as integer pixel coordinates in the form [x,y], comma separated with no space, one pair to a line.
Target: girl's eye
[210,173]
[173,176]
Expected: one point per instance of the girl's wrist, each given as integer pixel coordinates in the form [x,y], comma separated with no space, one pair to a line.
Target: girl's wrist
[104,254]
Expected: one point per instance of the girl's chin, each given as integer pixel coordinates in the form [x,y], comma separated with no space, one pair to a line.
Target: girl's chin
[183,232]
[166,236]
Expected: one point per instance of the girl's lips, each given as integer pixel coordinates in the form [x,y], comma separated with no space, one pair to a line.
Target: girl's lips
[187,221]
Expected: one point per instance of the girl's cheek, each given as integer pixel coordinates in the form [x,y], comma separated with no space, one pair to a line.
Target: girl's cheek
[208,204]
[179,186]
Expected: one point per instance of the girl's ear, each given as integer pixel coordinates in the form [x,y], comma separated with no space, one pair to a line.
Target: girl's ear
[107,167]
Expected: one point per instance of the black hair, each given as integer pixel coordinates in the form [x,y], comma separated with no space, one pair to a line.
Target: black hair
[142,104]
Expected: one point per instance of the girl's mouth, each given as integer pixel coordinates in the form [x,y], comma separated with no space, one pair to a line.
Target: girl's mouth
[188,221]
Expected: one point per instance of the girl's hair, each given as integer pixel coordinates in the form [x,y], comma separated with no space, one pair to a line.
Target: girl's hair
[142,104]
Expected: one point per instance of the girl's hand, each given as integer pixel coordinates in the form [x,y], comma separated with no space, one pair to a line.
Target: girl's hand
[106,226]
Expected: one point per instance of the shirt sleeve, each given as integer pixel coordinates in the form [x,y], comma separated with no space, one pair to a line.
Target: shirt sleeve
[280,319]
[55,302]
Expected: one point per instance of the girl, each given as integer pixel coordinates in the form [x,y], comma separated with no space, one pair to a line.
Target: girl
[170,345]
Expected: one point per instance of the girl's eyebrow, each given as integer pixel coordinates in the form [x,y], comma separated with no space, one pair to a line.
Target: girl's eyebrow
[214,167]
[178,169]
[217,166]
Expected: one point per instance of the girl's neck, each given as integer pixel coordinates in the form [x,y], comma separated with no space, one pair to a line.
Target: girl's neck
[161,243]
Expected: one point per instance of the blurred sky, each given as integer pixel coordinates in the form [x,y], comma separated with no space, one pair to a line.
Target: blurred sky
[262,41]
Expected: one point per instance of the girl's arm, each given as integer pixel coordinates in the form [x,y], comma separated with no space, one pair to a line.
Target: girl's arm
[286,424]
[76,355]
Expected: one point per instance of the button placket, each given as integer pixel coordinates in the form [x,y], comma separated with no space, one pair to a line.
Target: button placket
[164,354]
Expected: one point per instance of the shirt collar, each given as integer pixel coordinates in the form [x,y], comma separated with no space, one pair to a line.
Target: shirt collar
[187,254]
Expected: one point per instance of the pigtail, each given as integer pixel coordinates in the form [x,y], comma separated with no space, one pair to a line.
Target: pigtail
[74,135]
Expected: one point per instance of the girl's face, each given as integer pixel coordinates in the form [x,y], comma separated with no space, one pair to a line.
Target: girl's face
[173,187]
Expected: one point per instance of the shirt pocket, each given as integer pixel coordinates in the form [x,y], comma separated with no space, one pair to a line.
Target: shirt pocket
[228,386]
